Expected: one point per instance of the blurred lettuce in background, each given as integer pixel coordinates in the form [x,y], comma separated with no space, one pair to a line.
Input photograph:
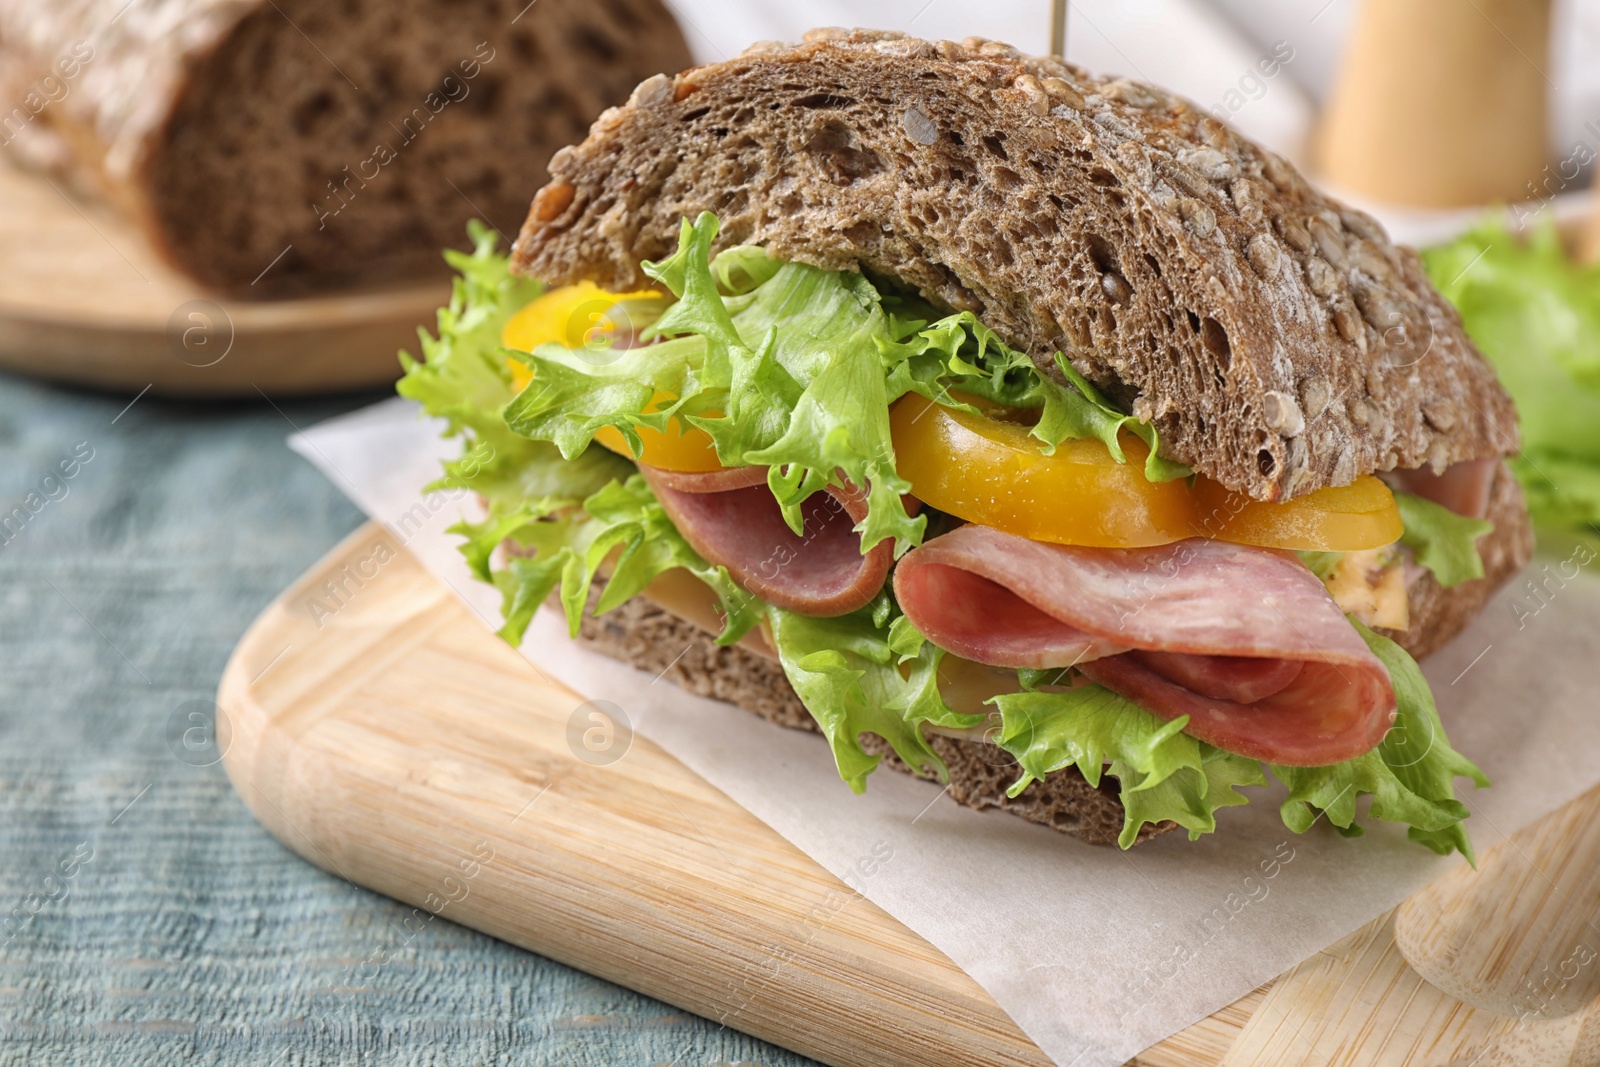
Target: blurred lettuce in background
[1536,314]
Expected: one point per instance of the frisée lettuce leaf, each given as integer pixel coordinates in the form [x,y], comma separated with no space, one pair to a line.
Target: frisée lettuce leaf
[867,672]
[967,358]
[574,518]
[620,532]
[784,375]
[463,379]
[1410,775]
[1163,773]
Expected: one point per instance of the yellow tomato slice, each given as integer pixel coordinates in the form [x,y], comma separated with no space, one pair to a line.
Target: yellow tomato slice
[1343,518]
[991,471]
[678,448]
[572,315]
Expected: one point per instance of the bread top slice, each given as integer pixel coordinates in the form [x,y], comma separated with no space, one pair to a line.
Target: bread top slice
[1278,340]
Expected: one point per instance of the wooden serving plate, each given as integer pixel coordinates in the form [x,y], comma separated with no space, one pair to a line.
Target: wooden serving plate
[86,301]
[399,744]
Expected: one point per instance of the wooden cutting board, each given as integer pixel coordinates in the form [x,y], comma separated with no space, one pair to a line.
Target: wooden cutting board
[88,302]
[400,745]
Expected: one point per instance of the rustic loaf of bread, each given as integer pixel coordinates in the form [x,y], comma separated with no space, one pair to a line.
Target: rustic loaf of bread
[1277,338]
[273,145]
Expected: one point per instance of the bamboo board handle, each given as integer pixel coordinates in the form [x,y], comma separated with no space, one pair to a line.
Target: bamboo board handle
[1521,935]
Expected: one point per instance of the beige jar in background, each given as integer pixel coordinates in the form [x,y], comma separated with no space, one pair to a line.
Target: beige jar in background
[1440,103]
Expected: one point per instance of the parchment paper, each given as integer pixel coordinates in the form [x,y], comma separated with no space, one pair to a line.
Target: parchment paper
[1095,953]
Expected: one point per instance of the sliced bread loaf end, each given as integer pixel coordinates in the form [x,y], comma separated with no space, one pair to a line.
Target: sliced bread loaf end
[285,146]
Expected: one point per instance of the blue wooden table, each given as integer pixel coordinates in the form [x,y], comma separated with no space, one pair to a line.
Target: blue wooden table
[144,917]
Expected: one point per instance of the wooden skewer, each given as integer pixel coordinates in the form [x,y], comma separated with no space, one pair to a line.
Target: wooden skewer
[1589,244]
[1058,29]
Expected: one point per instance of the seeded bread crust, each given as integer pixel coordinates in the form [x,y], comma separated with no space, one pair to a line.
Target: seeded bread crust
[220,124]
[1276,337]
[651,639]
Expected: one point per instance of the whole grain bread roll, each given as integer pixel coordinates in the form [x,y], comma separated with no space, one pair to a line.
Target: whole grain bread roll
[271,146]
[1277,339]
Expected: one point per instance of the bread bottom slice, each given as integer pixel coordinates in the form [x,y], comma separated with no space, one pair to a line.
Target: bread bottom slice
[650,638]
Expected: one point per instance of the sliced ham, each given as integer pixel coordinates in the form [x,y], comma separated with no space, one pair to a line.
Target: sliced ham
[1462,487]
[1245,641]
[1328,713]
[961,601]
[731,518]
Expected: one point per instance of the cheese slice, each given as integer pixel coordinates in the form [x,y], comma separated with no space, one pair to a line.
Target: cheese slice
[1371,585]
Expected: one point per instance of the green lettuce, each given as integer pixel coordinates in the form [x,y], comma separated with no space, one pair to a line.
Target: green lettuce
[959,354]
[1163,773]
[621,525]
[573,517]
[785,374]
[463,378]
[1563,491]
[1536,315]
[1441,540]
[867,672]
[1410,775]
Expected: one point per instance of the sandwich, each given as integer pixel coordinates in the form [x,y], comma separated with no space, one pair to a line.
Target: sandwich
[1023,430]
